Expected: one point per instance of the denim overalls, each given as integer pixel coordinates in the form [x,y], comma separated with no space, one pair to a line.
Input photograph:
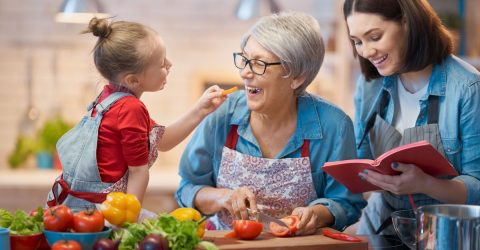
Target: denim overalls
[80,186]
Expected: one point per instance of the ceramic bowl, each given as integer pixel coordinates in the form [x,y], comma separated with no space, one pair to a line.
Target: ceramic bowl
[25,242]
[86,240]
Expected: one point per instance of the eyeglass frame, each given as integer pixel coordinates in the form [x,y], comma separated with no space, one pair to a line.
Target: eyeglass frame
[248,62]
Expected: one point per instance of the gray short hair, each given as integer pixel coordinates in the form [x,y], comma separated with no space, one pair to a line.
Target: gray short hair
[294,38]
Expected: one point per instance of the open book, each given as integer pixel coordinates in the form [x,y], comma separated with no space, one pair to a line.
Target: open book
[421,153]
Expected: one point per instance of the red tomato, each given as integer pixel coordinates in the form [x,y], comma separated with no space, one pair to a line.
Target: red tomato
[58,218]
[66,245]
[280,231]
[230,235]
[88,221]
[247,229]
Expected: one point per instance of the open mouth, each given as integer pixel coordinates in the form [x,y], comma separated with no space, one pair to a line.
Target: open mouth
[253,91]
[380,60]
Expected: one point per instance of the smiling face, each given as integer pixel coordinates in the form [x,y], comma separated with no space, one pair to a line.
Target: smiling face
[380,41]
[266,93]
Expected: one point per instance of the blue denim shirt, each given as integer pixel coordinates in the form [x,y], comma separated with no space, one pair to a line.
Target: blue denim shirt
[458,86]
[329,130]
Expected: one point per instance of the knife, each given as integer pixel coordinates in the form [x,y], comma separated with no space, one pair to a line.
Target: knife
[267,219]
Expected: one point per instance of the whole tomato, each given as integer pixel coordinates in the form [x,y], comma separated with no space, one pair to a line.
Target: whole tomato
[66,245]
[247,229]
[58,218]
[88,221]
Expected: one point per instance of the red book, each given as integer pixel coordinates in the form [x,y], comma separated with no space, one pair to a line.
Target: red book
[421,153]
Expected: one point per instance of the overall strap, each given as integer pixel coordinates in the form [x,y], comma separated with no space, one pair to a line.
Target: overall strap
[433,109]
[105,105]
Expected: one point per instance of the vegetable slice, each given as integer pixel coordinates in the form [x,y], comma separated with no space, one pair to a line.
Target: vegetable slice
[281,231]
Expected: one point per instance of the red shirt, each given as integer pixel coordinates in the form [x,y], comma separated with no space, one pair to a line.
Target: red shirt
[122,136]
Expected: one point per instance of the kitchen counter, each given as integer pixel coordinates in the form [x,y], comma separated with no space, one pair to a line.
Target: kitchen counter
[28,188]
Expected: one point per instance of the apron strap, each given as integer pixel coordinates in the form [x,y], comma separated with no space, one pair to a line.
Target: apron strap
[433,109]
[59,199]
[306,148]
[232,138]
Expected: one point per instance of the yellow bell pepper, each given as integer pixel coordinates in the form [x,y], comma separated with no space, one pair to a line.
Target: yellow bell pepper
[119,208]
[185,214]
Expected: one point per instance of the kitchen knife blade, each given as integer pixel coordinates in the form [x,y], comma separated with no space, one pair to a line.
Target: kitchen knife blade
[267,219]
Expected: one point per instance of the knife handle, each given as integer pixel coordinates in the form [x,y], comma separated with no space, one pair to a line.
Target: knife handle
[341,236]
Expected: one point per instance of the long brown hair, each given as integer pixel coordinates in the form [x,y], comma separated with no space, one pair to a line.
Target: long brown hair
[427,41]
[122,47]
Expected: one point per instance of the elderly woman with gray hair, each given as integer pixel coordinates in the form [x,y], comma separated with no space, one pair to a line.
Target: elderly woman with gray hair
[264,147]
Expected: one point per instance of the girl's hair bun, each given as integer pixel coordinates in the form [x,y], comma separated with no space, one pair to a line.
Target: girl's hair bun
[99,27]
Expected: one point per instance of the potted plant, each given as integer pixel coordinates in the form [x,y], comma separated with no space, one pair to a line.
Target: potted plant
[42,145]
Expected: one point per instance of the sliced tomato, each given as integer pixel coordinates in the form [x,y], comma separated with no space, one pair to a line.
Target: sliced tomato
[247,229]
[230,235]
[281,231]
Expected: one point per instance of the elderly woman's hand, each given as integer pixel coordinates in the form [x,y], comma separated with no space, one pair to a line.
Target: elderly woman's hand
[238,200]
[308,222]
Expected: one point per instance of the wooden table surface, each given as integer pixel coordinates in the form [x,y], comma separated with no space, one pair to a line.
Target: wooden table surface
[268,241]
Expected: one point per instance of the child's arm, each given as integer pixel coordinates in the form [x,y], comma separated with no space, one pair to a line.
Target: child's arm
[138,181]
[211,99]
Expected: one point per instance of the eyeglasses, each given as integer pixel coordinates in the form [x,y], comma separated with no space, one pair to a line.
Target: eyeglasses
[257,66]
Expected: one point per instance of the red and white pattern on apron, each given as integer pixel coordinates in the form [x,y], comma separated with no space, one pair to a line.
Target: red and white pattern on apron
[279,185]
[154,137]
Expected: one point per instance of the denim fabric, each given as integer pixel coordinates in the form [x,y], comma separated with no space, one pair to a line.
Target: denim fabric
[329,130]
[458,86]
[77,150]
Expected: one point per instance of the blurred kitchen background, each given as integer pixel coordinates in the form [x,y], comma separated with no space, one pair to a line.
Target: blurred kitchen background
[47,75]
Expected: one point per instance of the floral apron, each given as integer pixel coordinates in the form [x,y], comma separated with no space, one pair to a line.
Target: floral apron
[279,185]
[80,186]
[383,137]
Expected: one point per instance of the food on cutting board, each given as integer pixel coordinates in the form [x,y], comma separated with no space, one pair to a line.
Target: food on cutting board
[281,231]
[247,229]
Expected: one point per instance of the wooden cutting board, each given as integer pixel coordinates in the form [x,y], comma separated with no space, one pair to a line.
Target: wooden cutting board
[268,241]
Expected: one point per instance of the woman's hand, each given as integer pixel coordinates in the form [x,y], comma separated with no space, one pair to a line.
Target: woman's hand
[238,200]
[412,179]
[308,222]
[211,99]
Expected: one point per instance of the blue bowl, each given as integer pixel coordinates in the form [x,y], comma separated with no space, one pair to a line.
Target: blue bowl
[86,240]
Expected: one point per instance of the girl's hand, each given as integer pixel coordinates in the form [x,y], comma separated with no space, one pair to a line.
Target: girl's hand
[238,200]
[308,220]
[211,99]
[412,180]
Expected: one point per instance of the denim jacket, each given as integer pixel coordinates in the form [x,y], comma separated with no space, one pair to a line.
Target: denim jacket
[329,130]
[458,86]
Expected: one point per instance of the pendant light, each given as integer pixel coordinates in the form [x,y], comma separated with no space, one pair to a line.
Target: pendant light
[80,11]
[248,9]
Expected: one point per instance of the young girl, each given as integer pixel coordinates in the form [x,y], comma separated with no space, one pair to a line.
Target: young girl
[113,146]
